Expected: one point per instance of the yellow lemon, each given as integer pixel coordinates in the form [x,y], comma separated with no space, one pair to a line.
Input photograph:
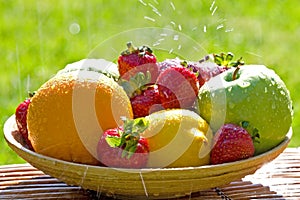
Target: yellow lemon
[69,113]
[178,138]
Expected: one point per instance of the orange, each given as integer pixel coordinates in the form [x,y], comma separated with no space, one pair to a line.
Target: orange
[69,113]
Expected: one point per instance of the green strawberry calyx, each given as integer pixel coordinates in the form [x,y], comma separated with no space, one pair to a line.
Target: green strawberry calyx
[226,59]
[129,136]
[141,51]
[136,84]
[223,59]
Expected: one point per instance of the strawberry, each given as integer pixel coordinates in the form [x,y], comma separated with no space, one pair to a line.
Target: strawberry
[123,146]
[144,96]
[146,102]
[134,60]
[167,63]
[21,120]
[206,69]
[178,87]
[231,143]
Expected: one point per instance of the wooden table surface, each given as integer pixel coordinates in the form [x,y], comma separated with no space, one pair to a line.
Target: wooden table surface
[279,179]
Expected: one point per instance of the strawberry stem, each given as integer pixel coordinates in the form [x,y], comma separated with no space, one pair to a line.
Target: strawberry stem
[130,47]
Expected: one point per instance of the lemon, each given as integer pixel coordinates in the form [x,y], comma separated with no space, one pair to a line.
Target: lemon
[178,138]
[69,113]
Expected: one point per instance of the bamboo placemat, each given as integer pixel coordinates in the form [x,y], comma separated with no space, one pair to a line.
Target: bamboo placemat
[279,179]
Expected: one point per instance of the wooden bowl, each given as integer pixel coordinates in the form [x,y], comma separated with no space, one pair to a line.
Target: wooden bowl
[152,183]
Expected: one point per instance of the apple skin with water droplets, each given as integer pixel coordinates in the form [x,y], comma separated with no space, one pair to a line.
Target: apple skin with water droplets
[257,97]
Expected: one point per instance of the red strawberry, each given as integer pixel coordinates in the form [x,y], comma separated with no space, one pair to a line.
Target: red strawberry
[178,87]
[207,69]
[146,102]
[231,143]
[134,60]
[21,120]
[167,63]
[144,96]
[123,147]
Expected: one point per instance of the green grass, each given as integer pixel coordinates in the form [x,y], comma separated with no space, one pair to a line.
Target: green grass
[36,41]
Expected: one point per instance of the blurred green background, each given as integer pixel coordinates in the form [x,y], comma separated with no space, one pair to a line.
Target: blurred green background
[40,37]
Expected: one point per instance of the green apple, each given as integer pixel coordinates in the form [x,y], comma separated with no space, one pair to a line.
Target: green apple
[253,96]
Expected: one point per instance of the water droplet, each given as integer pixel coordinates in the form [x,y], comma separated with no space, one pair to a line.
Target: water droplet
[229,30]
[282,92]
[196,49]
[74,28]
[173,23]
[213,8]
[220,26]
[173,6]
[262,76]
[149,18]
[179,27]
[245,84]
[266,89]
[142,2]
[229,89]
[176,37]
[273,106]
[212,5]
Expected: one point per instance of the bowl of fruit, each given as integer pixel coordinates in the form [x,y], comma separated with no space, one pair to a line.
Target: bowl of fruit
[141,126]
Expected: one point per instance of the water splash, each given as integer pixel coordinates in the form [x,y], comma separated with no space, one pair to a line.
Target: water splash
[28,83]
[19,72]
[144,185]
[179,27]
[173,23]
[149,18]
[220,26]
[142,2]
[164,15]
[154,9]
[172,5]
[254,54]
[212,5]
[213,8]
[40,32]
